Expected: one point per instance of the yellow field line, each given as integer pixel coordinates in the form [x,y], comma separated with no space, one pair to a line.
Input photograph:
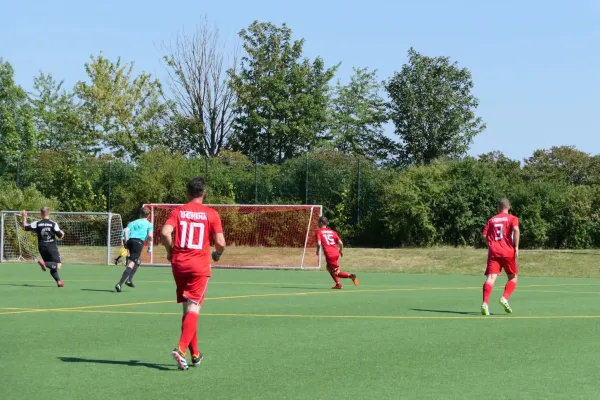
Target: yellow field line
[561,291]
[24,311]
[317,316]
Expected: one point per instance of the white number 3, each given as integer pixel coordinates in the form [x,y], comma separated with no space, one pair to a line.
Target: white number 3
[499,230]
[190,235]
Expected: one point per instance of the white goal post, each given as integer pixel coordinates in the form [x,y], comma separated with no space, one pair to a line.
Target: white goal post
[90,237]
[258,236]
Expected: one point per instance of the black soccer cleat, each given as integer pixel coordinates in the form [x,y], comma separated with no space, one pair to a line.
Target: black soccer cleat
[180,358]
[118,288]
[196,360]
[130,284]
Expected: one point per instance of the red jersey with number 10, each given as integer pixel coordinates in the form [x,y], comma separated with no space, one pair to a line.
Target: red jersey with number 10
[499,231]
[194,224]
[329,240]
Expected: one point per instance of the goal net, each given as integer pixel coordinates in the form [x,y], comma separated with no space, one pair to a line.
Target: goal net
[258,236]
[90,237]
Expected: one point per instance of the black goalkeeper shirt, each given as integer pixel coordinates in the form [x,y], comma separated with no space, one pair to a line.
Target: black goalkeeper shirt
[46,230]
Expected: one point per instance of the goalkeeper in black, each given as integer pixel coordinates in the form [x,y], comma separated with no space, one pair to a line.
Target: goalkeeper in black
[47,231]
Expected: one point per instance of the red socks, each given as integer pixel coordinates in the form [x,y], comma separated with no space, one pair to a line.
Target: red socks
[188,330]
[509,289]
[487,291]
[194,343]
[342,274]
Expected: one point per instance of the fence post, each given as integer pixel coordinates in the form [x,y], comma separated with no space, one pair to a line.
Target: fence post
[306,194]
[109,195]
[19,173]
[205,168]
[255,183]
[358,195]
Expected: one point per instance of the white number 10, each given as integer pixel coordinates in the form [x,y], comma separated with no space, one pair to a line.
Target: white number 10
[190,235]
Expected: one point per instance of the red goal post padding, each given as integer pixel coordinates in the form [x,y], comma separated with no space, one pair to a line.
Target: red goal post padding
[258,236]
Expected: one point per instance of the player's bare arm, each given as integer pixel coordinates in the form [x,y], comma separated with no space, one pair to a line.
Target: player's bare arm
[150,241]
[340,245]
[24,219]
[126,234]
[516,239]
[166,239]
[220,244]
[318,247]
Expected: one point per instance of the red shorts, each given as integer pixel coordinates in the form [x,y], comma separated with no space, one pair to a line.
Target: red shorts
[190,286]
[332,263]
[497,264]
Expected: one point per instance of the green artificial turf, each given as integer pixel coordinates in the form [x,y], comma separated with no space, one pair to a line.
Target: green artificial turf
[286,335]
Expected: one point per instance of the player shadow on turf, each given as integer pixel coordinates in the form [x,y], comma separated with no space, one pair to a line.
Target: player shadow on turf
[98,290]
[446,311]
[131,363]
[27,285]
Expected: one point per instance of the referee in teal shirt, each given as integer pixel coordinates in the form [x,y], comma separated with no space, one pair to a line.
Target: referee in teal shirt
[136,233]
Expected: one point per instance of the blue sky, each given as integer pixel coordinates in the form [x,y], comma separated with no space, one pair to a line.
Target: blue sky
[535,64]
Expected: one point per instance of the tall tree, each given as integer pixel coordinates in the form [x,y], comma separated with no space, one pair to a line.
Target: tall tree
[126,110]
[17,133]
[282,98]
[58,119]
[358,115]
[433,109]
[202,96]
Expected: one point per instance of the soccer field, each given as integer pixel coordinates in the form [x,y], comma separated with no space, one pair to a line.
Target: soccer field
[286,335]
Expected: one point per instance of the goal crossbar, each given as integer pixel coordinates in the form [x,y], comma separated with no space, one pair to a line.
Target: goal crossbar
[259,236]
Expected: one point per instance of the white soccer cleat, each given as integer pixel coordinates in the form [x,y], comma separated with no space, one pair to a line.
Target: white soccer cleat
[485,310]
[506,306]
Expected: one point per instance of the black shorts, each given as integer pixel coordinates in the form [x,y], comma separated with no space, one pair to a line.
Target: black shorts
[50,254]
[135,247]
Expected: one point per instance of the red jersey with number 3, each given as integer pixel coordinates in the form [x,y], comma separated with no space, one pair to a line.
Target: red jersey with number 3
[499,231]
[194,224]
[329,240]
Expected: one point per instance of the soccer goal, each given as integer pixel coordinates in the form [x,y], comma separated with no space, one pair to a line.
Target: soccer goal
[258,236]
[90,237]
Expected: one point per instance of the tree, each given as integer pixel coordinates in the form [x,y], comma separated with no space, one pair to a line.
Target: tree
[17,134]
[202,96]
[564,165]
[358,115]
[58,119]
[282,99]
[433,109]
[126,110]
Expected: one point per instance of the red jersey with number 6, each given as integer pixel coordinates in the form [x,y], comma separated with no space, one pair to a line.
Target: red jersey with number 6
[499,231]
[329,240]
[194,224]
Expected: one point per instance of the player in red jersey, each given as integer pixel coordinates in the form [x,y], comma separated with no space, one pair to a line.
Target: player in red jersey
[502,234]
[333,247]
[193,225]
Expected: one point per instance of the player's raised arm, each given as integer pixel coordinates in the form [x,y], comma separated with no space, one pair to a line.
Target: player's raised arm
[24,220]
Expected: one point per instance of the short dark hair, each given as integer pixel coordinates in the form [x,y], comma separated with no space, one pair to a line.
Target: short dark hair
[195,187]
[144,212]
[323,220]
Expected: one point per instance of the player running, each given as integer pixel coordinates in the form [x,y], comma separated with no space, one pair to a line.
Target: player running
[47,231]
[193,224]
[333,247]
[502,234]
[136,234]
